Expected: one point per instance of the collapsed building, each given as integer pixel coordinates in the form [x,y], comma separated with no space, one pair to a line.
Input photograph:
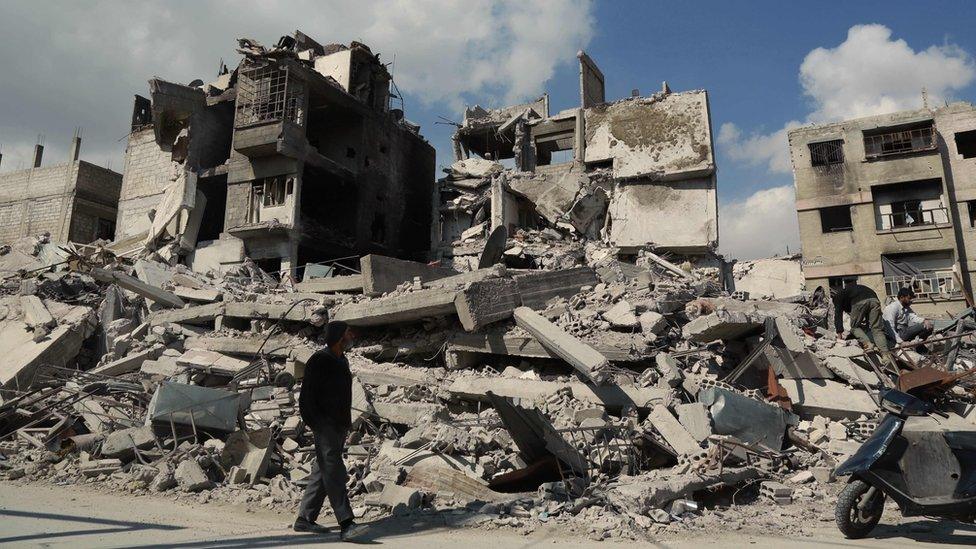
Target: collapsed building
[295,157]
[599,386]
[73,201]
[621,170]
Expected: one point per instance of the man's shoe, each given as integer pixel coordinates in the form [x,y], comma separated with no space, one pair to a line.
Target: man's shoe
[303,525]
[353,532]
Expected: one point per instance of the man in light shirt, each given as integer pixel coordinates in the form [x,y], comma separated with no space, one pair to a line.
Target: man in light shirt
[901,322]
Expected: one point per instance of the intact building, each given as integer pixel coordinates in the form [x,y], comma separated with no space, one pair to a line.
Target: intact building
[74,201]
[890,201]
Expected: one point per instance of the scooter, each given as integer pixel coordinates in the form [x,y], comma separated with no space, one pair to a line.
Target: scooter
[925,460]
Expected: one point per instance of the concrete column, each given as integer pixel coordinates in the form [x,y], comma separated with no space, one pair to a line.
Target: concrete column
[75,148]
[38,153]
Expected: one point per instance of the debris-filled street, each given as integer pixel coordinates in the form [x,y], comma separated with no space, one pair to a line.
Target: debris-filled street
[545,342]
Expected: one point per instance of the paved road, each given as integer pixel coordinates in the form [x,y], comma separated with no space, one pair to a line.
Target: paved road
[45,516]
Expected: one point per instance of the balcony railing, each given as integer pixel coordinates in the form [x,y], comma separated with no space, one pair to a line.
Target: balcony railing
[914,218]
[928,285]
[885,144]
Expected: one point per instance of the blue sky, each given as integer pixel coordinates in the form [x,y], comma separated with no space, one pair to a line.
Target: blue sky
[748,55]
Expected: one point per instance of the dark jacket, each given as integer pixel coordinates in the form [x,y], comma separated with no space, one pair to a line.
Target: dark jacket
[326,395]
[846,298]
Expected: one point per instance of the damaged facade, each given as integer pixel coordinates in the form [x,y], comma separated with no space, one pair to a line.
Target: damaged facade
[625,171]
[890,201]
[293,157]
[74,201]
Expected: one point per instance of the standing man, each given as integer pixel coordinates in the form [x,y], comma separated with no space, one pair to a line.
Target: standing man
[324,404]
[901,321]
[865,309]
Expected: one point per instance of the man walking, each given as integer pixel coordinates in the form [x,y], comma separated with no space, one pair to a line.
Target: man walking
[324,404]
[901,321]
[865,309]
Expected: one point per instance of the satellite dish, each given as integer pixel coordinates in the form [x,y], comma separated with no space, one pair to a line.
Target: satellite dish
[494,247]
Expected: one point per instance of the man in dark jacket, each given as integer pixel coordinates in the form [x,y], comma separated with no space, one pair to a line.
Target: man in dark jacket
[865,309]
[324,404]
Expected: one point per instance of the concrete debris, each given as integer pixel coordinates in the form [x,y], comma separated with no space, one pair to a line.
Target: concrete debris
[551,339]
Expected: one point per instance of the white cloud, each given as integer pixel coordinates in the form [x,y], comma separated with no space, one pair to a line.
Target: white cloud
[95,55]
[869,73]
[759,226]
[771,150]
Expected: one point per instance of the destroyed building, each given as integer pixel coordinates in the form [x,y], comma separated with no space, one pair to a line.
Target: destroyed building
[639,171]
[293,157]
[72,201]
[890,201]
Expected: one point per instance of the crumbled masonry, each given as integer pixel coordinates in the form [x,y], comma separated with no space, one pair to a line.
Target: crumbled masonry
[548,344]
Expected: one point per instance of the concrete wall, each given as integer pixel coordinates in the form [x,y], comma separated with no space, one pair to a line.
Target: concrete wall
[147,170]
[677,216]
[65,200]
[859,183]
[665,137]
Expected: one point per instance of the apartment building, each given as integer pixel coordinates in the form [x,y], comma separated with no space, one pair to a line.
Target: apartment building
[297,156]
[73,200]
[890,201]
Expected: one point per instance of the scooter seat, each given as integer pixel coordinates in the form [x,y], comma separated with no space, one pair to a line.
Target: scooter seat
[961,440]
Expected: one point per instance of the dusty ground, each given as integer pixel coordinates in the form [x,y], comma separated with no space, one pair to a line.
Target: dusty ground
[34,515]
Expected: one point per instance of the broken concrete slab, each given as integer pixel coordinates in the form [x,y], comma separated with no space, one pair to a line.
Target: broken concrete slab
[23,356]
[122,444]
[447,481]
[459,281]
[487,301]
[527,346]
[827,398]
[610,396]
[536,289]
[410,414]
[200,295]
[331,285]
[303,311]
[277,345]
[656,489]
[585,359]
[36,314]
[672,431]
[720,326]
[383,274]
[409,307]
[194,314]
[694,417]
[746,419]
[128,363]
[152,293]
[212,362]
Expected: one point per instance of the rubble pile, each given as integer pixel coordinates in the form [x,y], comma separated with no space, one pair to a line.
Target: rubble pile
[620,399]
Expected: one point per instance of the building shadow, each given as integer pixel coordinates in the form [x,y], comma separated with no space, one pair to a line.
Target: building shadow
[111,526]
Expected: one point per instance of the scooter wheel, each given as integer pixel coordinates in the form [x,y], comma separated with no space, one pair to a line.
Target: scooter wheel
[853,521]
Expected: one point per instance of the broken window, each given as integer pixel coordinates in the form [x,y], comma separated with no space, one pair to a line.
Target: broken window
[275,191]
[836,219]
[827,153]
[267,93]
[928,274]
[966,144]
[909,204]
[555,148]
[105,229]
[268,193]
[913,138]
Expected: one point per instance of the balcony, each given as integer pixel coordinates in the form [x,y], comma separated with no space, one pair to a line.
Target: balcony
[927,285]
[899,142]
[913,218]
